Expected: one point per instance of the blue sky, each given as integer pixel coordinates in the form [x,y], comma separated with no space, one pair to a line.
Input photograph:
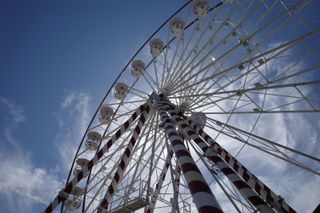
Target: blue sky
[57,60]
[52,52]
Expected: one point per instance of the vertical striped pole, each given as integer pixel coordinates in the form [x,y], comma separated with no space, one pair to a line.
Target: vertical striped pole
[201,193]
[263,190]
[123,163]
[160,182]
[177,177]
[65,191]
[176,182]
[242,186]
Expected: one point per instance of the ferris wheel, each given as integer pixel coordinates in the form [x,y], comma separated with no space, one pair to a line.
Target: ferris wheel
[212,114]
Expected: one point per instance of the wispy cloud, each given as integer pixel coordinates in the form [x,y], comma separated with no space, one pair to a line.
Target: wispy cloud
[73,118]
[24,186]
[15,111]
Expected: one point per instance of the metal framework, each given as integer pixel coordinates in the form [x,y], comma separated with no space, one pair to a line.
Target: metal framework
[208,119]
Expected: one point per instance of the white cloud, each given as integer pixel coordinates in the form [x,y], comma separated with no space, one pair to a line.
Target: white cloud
[24,186]
[73,118]
[67,101]
[299,189]
[17,113]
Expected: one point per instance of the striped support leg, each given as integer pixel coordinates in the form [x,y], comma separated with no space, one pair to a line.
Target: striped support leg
[160,182]
[242,186]
[177,174]
[177,177]
[123,163]
[65,191]
[201,193]
[264,191]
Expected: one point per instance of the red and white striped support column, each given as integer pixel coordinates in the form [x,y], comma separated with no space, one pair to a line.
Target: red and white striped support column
[65,191]
[203,198]
[176,182]
[123,163]
[177,177]
[264,191]
[160,182]
[242,186]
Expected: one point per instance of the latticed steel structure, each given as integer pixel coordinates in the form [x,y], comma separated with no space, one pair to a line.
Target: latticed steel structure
[204,113]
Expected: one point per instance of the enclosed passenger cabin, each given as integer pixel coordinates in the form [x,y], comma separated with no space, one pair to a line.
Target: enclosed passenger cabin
[156,47]
[81,162]
[200,8]
[92,140]
[72,204]
[137,68]
[121,91]
[77,191]
[106,114]
[177,27]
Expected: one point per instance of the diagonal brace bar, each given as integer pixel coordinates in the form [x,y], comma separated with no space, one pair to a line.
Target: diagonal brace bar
[65,191]
[103,206]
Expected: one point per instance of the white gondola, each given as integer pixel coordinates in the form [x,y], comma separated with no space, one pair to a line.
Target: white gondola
[137,68]
[92,140]
[72,204]
[156,47]
[77,191]
[121,91]
[200,8]
[199,118]
[81,162]
[106,114]
[177,27]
